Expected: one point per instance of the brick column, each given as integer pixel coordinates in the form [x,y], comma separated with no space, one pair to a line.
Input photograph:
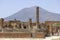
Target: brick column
[37,17]
[1,23]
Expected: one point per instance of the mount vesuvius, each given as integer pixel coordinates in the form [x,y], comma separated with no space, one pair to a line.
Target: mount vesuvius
[26,13]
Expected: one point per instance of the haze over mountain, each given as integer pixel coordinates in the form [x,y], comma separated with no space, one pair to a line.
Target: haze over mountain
[27,13]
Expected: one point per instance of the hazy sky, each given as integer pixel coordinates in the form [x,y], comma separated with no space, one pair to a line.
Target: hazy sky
[9,7]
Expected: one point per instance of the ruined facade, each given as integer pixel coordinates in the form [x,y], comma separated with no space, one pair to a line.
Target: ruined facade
[18,29]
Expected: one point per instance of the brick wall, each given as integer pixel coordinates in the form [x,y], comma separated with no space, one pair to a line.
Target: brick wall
[15,35]
[40,35]
[21,35]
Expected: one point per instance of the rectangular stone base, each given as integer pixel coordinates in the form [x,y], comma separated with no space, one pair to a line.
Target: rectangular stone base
[15,35]
[21,35]
[40,35]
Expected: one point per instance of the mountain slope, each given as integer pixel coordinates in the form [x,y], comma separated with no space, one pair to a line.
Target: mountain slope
[27,13]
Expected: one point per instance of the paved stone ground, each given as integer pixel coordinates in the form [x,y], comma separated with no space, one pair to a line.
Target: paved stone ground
[20,39]
[47,38]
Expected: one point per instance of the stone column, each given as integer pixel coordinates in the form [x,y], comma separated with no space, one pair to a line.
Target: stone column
[22,25]
[59,32]
[37,17]
[1,23]
[8,24]
[15,25]
[30,23]
[50,30]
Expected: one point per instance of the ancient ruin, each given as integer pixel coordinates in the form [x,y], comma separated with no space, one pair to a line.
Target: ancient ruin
[18,29]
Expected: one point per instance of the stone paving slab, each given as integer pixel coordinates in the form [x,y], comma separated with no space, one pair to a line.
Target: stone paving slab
[47,38]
